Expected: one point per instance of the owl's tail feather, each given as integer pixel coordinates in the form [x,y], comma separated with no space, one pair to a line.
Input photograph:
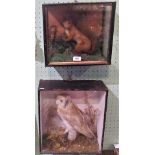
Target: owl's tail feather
[88,133]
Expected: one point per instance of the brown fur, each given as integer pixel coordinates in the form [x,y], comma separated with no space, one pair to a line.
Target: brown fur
[83,43]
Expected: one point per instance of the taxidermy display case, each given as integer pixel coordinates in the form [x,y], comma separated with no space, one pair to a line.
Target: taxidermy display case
[78,33]
[72,116]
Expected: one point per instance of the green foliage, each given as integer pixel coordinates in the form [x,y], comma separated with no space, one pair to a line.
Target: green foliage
[64,52]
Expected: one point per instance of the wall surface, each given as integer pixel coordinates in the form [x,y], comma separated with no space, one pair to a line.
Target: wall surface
[108,74]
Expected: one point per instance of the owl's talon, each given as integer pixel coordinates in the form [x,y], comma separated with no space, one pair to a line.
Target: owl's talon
[69,143]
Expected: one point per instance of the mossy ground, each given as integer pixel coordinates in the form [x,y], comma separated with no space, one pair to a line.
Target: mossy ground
[63,52]
[58,143]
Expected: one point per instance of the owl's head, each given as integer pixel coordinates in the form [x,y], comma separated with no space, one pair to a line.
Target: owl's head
[62,101]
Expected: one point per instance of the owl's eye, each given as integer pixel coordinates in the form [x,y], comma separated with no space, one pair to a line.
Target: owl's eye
[61,100]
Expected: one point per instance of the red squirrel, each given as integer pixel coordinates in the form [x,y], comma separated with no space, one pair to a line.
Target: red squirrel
[83,43]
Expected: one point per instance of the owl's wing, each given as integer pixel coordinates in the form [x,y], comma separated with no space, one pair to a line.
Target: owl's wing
[78,122]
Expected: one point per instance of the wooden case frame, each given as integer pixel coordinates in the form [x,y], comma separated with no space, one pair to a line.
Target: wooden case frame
[82,85]
[73,63]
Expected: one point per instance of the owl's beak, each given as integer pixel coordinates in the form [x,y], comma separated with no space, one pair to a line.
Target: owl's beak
[66,103]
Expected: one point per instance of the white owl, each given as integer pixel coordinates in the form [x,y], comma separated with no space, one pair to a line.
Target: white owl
[73,118]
